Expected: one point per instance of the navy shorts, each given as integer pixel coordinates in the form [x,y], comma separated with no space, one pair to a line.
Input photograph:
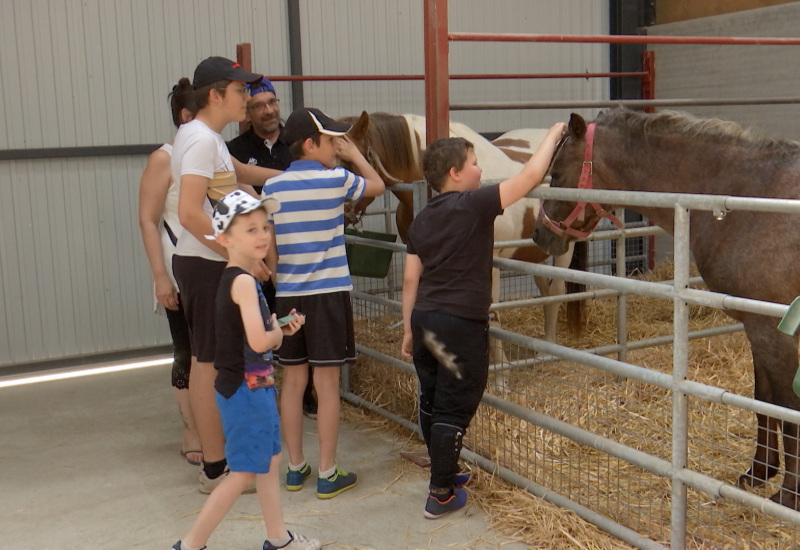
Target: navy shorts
[252,428]
[327,339]
[198,281]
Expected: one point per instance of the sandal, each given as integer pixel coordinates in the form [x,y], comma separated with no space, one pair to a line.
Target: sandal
[185,454]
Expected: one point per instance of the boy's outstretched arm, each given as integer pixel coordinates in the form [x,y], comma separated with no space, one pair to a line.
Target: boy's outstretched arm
[411,275]
[534,171]
[250,175]
[347,150]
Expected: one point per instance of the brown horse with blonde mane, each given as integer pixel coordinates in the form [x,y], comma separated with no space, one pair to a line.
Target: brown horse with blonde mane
[746,254]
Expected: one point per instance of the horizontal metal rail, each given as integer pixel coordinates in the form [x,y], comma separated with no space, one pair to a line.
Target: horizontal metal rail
[646,288]
[632,103]
[718,204]
[622,39]
[647,376]
[612,349]
[497,76]
[599,235]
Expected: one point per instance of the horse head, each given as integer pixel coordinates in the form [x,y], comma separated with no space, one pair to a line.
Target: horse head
[572,167]
[393,150]
[354,211]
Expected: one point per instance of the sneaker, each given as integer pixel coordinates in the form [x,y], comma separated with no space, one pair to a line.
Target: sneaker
[434,508]
[339,482]
[309,406]
[208,485]
[177,546]
[298,542]
[295,478]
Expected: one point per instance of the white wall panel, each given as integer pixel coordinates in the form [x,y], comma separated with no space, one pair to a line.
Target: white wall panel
[687,71]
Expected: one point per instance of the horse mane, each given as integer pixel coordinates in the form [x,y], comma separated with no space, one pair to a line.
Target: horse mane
[667,122]
[399,156]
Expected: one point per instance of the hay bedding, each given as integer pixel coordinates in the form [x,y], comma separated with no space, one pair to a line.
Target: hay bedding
[630,412]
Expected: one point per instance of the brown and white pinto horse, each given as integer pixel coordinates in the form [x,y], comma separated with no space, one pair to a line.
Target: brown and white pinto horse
[394,145]
[747,254]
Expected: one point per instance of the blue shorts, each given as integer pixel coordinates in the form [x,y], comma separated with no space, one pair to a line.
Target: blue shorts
[252,428]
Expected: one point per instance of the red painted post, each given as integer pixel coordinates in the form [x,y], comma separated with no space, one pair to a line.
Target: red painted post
[244,57]
[649,92]
[649,81]
[437,71]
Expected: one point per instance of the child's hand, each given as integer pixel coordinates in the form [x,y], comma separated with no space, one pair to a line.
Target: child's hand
[261,272]
[407,347]
[346,149]
[557,131]
[294,325]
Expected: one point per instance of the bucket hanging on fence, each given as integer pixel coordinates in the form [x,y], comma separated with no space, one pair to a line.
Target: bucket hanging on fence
[369,261]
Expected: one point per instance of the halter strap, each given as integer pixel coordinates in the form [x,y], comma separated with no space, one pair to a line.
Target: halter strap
[579,212]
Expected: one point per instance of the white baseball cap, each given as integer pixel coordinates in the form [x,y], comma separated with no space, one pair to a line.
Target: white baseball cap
[235,203]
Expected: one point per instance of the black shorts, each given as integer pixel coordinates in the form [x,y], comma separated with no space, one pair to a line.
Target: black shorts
[198,281]
[327,339]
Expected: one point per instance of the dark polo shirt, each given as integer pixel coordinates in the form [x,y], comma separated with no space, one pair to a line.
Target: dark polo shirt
[249,148]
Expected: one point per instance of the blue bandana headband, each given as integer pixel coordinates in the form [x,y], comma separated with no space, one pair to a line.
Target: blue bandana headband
[263,85]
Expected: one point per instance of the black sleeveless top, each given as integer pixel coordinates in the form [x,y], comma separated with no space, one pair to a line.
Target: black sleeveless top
[233,359]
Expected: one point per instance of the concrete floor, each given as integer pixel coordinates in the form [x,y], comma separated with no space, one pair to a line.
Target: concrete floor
[94,463]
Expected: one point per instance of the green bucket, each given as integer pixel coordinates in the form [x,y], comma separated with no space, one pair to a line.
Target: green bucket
[369,261]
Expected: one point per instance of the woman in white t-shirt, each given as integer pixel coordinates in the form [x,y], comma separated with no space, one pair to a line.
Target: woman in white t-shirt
[205,172]
[158,222]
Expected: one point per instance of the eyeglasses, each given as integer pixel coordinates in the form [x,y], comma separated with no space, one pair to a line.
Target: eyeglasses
[272,104]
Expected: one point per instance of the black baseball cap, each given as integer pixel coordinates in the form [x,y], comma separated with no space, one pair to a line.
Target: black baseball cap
[214,69]
[304,123]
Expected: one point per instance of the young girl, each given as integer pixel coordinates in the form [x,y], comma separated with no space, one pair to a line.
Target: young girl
[245,388]
[158,222]
[204,171]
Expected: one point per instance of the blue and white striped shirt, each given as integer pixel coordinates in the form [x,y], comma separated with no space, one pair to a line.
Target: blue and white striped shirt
[309,227]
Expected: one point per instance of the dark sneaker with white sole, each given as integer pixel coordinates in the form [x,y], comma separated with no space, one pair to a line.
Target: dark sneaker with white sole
[435,508]
[338,483]
[295,478]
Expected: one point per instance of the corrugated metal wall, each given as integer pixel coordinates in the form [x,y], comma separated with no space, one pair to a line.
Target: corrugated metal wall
[684,71]
[86,73]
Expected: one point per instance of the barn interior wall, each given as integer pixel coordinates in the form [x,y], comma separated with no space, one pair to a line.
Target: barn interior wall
[724,71]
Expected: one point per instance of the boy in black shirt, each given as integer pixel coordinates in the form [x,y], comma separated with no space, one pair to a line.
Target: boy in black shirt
[446,299]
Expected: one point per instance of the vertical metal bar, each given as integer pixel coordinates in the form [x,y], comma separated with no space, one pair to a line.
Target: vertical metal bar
[622,299]
[387,227]
[244,57]
[420,196]
[680,362]
[649,81]
[295,52]
[437,71]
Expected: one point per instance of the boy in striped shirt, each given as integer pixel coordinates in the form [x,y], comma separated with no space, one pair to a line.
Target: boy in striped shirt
[313,276]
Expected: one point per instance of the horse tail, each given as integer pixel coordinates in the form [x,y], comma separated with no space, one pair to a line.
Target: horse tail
[576,311]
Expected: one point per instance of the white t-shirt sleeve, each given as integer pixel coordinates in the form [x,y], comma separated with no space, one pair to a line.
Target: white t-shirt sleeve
[198,156]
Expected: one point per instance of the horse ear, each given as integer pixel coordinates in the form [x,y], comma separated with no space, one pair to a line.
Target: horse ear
[577,125]
[359,129]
